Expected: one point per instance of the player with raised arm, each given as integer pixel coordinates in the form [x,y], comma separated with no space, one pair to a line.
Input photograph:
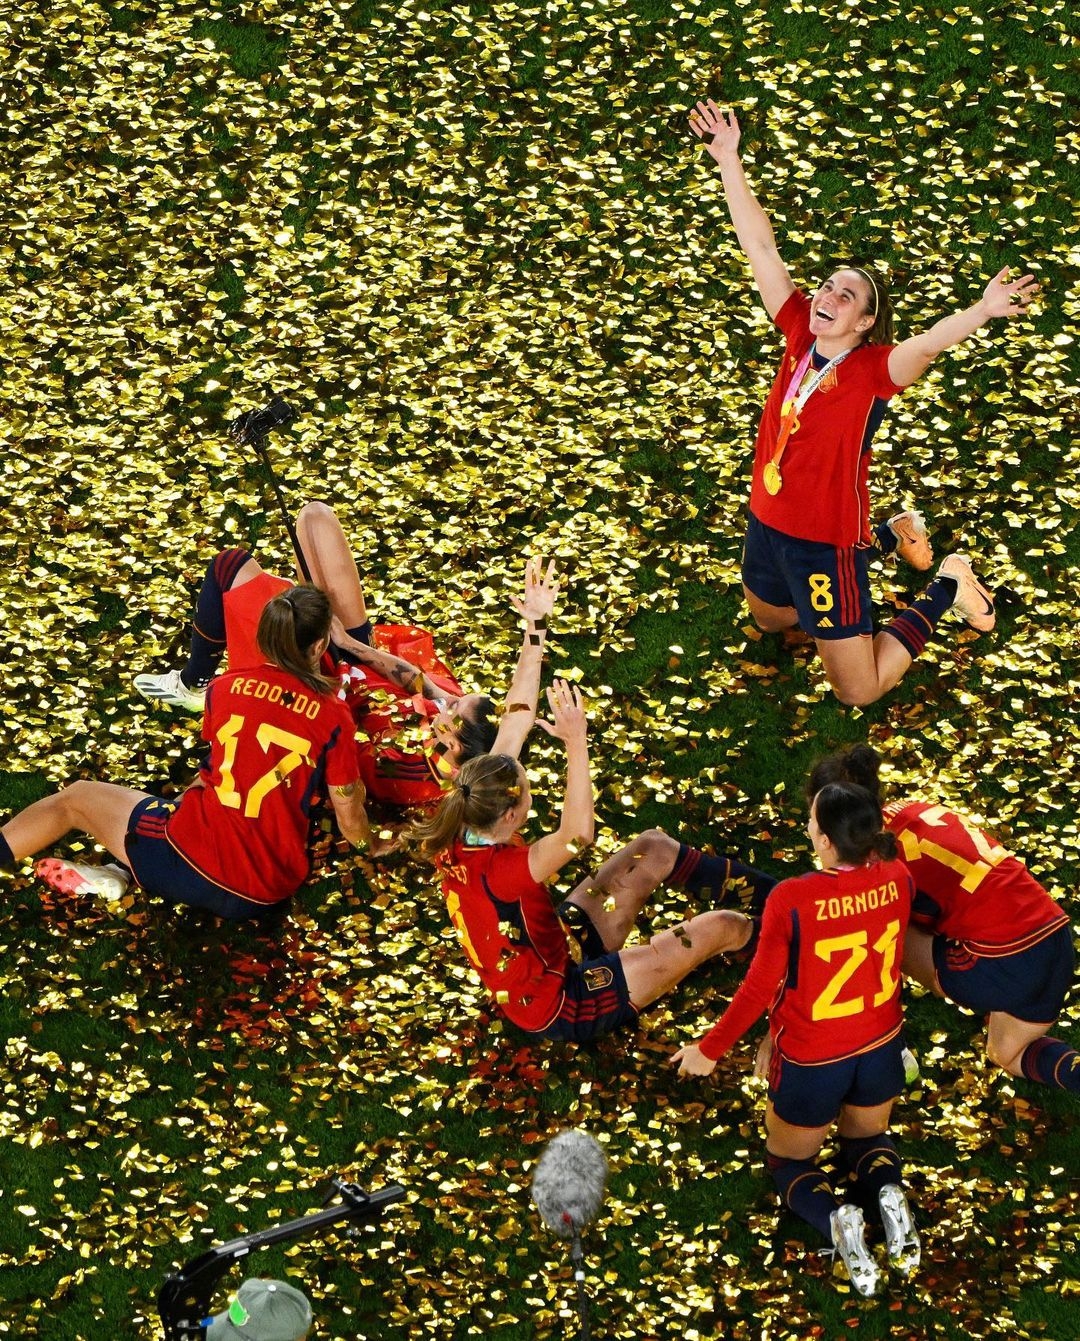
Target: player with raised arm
[416,724]
[827,969]
[566,973]
[808,536]
[984,932]
[237,842]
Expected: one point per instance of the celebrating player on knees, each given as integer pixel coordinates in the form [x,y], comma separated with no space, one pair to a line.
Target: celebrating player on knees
[827,969]
[984,933]
[237,842]
[416,725]
[565,973]
[805,556]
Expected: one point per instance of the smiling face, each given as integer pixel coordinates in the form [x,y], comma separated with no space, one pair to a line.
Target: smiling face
[842,310]
[447,720]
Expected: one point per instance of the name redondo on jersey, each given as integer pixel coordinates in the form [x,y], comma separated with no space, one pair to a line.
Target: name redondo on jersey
[252,687]
[847,905]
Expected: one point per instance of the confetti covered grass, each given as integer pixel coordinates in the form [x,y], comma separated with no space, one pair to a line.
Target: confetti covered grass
[477,247]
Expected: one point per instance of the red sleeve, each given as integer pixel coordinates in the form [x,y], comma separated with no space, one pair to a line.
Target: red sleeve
[794,317]
[759,987]
[884,387]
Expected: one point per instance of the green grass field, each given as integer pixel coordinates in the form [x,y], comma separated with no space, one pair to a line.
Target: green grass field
[477,247]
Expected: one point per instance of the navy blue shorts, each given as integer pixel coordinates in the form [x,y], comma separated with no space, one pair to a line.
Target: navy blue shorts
[829,587]
[161,870]
[812,1096]
[597,999]
[1031,985]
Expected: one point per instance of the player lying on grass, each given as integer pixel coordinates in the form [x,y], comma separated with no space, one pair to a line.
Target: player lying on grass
[807,539]
[416,725]
[566,973]
[237,843]
[984,932]
[827,969]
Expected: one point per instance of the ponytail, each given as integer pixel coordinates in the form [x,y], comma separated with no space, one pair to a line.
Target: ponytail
[291,627]
[479,796]
[850,817]
[859,764]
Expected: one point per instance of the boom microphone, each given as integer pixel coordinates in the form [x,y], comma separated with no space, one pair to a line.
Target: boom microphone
[568,1185]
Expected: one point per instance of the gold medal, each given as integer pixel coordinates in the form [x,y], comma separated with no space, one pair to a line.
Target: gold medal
[771,478]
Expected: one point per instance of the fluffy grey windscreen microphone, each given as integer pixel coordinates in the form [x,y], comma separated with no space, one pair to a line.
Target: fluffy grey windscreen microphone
[568,1185]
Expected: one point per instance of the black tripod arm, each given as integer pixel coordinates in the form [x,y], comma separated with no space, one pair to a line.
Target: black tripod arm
[184,1299]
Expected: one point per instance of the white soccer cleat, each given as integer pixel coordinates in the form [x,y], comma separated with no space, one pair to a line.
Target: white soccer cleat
[73,877]
[170,690]
[849,1240]
[912,1075]
[901,1237]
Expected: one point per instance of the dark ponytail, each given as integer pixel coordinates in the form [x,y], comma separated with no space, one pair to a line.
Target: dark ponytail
[850,817]
[479,796]
[859,764]
[476,734]
[291,627]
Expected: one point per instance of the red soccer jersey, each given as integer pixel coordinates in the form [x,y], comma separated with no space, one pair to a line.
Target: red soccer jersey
[824,496]
[969,888]
[274,749]
[243,606]
[509,928]
[827,966]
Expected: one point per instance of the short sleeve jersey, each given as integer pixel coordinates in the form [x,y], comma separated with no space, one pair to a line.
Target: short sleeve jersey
[968,887]
[509,927]
[275,747]
[826,462]
[827,966]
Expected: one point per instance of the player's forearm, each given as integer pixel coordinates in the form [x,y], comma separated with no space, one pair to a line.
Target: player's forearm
[577,823]
[911,359]
[396,669]
[751,223]
[351,813]
[519,710]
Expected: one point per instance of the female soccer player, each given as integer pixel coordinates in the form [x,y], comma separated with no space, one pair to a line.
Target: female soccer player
[565,973]
[235,843]
[984,932]
[805,556]
[416,724]
[827,970]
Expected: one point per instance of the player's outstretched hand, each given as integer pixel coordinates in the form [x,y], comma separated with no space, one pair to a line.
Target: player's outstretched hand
[1009,298]
[568,721]
[537,601]
[692,1061]
[719,129]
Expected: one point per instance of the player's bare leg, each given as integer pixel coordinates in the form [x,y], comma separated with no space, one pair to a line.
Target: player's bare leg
[330,562]
[100,809]
[614,897]
[770,618]
[1007,1039]
[862,669]
[653,970]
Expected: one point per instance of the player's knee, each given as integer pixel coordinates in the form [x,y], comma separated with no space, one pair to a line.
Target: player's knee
[76,800]
[655,843]
[311,514]
[853,696]
[1007,1059]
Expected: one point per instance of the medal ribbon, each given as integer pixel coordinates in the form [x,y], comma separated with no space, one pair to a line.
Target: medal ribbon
[794,399]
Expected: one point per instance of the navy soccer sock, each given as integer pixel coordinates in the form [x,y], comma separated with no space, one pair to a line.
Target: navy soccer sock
[1049,1061]
[885,538]
[871,1162]
[208,627]
[7,857]
[913,626]
[806,1190]
[707,876]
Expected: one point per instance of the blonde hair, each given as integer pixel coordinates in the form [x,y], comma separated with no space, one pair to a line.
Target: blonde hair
[478,797]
